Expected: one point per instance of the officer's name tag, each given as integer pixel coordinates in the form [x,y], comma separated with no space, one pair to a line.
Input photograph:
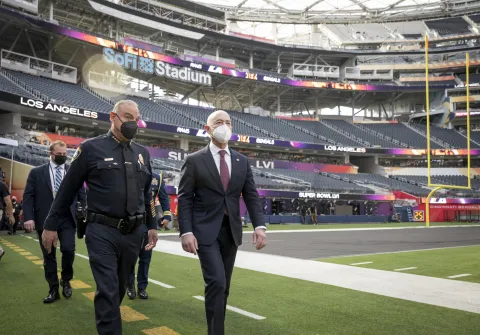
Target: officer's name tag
[108,159]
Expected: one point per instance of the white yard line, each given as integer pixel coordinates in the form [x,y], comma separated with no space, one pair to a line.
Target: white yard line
[460,276]
[406,269]
[81,256]
[398,252]
[453,294]
[156,282]
[237,310]
[361,263]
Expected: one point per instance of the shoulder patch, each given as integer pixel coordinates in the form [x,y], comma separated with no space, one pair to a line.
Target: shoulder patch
[77,153]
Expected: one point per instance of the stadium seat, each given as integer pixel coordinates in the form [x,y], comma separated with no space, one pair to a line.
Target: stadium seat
[9,87]
[64,93]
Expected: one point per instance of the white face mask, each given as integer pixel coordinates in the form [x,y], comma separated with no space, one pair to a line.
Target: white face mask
[222,134]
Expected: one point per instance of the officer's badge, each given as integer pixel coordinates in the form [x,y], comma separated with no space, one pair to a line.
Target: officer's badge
[140,159]
[77,153]
[154,182]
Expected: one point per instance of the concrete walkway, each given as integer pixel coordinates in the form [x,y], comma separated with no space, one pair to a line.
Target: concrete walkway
[429,290]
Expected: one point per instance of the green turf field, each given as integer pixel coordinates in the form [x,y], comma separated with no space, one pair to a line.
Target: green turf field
[290,306]
[293,226]
[440,263]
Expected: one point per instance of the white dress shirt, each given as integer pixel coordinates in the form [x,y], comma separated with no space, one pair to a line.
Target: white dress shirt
[216,157]
[228,159]
[53,170]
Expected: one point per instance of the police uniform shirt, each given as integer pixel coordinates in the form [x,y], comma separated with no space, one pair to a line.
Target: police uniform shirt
[100,163]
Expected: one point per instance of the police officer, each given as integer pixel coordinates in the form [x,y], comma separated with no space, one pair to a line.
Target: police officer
[158,189]
[118,176]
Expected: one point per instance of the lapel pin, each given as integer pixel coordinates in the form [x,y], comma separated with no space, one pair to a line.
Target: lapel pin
[238,160]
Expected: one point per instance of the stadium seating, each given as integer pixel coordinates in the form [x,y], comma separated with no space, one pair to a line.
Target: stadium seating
[458,180]
[329,133]
[475,136]
[319,182]
[63,93]
[201,114]
[450,137]
[249,124]
[475,18]
[401,133]
[9,87]
[348,128]
[384,182]
[449,27]
[28,154]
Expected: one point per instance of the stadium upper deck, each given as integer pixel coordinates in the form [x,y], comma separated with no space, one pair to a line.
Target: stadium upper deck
[229,88]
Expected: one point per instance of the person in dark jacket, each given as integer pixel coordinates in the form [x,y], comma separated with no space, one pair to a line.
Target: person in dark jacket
[42,186]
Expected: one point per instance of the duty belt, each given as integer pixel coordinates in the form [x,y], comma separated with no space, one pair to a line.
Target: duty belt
[125,225]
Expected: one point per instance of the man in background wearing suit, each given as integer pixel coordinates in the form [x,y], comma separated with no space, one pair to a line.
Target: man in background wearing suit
[42,186]
[211,183]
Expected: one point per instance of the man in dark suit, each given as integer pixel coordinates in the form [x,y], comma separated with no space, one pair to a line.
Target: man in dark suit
[209,213]
[42,186]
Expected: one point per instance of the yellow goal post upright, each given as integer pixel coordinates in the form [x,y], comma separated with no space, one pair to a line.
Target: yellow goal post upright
[429,151]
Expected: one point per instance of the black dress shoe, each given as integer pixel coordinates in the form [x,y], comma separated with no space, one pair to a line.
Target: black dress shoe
[142,294]
[67,289]
[51,297]
[1,255]
[131,292]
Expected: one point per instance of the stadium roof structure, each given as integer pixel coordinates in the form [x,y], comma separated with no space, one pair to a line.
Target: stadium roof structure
[338,11]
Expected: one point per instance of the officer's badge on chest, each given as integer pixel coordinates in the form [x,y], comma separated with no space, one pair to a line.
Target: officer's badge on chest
[154,182]
[140,159]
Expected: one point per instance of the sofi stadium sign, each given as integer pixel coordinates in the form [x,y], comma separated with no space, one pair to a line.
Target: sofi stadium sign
[150,66]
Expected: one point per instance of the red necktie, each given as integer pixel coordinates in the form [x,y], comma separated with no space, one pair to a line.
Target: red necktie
[224,173]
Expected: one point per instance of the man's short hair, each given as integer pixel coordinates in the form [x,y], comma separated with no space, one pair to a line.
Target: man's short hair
[58,142]
[119,103]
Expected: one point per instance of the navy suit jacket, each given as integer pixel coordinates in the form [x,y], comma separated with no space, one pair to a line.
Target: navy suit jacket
[38,197]
[202,199]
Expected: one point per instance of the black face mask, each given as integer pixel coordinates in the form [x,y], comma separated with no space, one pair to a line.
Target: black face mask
[128,129]
[60,159]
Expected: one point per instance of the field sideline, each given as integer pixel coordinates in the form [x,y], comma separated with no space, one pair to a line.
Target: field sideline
[289,306]
[460,263]
[346,226]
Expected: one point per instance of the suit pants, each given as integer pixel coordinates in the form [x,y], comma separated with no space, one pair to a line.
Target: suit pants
[66,236]
[112,256]
[217,261]
[144,259]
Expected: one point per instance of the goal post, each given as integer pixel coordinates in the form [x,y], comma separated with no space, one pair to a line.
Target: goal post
[429,149]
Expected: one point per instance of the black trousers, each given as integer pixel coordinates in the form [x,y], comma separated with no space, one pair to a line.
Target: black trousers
[66,236]
[217,261]
[112,256]
[144,260]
